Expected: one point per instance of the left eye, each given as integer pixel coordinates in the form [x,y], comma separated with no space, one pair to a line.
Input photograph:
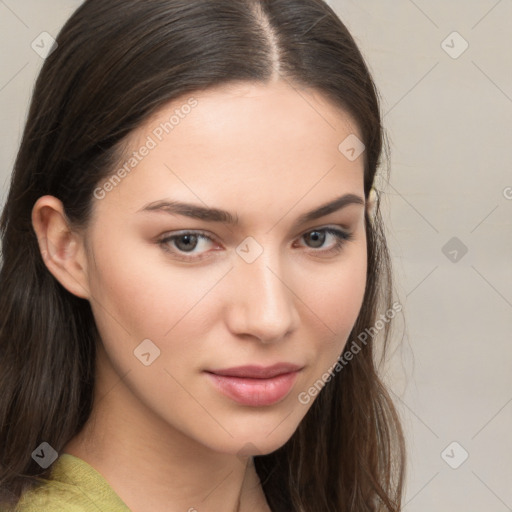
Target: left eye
[340,237]
[186,242]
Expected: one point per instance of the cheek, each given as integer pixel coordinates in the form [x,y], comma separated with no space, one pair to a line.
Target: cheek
[138,294]
[336,302]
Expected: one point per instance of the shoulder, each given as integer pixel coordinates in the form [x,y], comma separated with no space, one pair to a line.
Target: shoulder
[74,486]
[50,497]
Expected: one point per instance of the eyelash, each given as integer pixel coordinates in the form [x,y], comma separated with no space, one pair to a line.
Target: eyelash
[341,238]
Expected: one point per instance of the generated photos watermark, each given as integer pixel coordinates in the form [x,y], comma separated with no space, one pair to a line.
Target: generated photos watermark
[157,135]
[305,396]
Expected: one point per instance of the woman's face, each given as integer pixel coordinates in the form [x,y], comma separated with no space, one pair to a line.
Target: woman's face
[177,296]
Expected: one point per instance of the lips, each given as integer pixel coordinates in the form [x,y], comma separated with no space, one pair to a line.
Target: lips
[255,385]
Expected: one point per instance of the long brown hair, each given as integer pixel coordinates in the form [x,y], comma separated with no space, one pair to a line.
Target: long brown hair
[117,63]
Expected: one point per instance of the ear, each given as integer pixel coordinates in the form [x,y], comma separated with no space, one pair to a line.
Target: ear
[371,203]
[62,250]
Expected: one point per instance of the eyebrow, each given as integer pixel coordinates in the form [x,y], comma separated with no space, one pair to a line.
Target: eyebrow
[217,215]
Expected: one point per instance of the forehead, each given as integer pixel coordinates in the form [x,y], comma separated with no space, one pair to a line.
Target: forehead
[238,143]
[260,109]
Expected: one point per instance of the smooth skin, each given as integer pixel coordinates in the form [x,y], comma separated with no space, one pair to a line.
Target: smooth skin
[162,435]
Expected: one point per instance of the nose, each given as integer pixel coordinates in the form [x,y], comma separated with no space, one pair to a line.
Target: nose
[263,304]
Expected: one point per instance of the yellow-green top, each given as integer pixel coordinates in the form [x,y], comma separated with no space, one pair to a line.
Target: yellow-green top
[75,486]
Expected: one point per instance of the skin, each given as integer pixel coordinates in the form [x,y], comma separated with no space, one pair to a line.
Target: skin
[162,436]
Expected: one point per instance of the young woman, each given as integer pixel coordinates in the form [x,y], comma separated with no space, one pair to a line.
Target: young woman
[194,274]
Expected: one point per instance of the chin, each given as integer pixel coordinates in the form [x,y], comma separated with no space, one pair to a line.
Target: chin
[257,433]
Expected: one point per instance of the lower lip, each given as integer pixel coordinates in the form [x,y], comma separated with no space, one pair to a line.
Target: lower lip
[255,392]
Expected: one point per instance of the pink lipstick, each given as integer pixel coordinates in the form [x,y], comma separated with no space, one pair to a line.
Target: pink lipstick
[256,385]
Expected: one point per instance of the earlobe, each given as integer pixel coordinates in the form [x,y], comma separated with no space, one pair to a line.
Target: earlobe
[62,248]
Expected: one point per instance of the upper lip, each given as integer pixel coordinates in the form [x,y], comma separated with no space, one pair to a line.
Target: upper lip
[258,372]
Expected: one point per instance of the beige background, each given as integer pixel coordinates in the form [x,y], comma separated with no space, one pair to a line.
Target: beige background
[449,124]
